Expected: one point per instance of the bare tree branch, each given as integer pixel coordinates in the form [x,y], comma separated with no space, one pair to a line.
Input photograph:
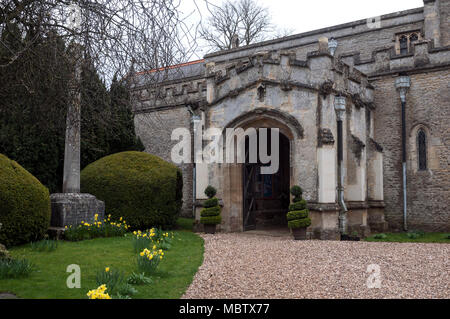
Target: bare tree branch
[242,18]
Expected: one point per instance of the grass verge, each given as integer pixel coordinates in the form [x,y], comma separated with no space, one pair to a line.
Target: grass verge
[48,280]
[409,238]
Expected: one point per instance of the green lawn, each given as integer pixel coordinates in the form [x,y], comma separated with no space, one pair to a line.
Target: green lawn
[185,223]
[172,278]
[403,238]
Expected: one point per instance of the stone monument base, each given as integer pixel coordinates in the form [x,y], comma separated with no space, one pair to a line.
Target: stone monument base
[73,208]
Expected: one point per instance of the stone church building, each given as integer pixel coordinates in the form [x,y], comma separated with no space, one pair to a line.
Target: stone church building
[363,111]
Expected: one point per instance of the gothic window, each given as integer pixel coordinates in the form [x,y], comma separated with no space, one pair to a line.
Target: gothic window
[422,150]
[404,44]
[413,38]
[405,41]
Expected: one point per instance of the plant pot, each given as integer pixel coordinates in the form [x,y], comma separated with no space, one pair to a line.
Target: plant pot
[299,233]
[209,228]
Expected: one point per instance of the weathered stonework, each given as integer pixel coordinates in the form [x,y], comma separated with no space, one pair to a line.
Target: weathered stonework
[290,84]
[73,208]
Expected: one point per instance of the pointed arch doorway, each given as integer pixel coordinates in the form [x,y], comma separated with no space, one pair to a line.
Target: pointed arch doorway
[241,186]
[266,196]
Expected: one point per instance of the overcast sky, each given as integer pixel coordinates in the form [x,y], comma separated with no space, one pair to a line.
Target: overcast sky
[306,15]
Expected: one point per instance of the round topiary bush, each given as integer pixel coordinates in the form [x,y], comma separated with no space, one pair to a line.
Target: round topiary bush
[142,188]
[210,191]
[24,205]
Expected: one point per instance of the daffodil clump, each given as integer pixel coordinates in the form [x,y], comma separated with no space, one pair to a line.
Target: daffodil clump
[149,259]
[153,237]
[99,293]
[98,228]
[114,279]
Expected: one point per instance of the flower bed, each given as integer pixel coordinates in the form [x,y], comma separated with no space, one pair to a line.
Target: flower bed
[107,228]
[153,237]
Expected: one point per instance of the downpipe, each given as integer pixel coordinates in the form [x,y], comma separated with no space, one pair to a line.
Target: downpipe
[194,168]
[405,217]
[343,211]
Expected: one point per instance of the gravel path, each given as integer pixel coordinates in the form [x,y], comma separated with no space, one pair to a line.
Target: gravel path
[254,266]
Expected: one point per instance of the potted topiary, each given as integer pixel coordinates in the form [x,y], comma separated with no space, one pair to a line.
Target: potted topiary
[297,216]
[210,214]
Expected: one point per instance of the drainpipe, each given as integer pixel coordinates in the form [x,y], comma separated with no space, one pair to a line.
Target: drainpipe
[339,106]
[195,119]
[402,84]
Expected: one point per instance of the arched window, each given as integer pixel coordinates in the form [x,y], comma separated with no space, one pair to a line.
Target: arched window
[413,38]
[404,44]
[405,41]
[422,149]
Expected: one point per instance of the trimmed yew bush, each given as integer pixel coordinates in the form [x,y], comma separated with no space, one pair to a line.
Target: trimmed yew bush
[210,214]
[24,205]
[300,205]
[300,223]
[298,212]
[142,188]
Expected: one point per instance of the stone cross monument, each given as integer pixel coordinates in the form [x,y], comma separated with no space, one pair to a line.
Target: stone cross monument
[71,207]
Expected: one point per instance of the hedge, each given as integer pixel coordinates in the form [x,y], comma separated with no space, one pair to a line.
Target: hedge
[24,205]
[142,188]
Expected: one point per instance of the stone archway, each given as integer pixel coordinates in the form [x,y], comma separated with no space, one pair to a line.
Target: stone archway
[268,208]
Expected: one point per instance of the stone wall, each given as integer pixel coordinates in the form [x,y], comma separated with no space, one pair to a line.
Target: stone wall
[70,209]
[445,22]
[358,36]
[155,129]
[428,192]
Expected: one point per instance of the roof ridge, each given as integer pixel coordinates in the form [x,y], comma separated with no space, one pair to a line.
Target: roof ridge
[170,67]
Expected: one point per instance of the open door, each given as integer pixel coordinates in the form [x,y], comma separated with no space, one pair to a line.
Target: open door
[266,197]
[249,198]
